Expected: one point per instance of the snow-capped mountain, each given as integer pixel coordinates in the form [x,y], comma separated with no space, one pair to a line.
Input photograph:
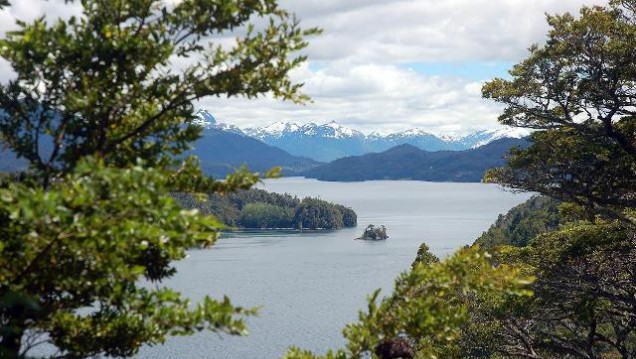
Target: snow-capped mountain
[321,142]
[281,130]
[329,141]
[276,129]
[206,120]
[483,137]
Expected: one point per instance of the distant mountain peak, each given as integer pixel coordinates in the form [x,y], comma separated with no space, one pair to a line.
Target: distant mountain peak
[483,137]
[280,129]
[276,130]
[449,137]
[404,148]
[414,132]
[204,119]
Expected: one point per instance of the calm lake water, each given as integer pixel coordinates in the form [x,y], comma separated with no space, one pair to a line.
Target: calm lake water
[310,284]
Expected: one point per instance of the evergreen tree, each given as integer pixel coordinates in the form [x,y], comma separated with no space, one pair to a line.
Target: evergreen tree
[100,113]
[578,88]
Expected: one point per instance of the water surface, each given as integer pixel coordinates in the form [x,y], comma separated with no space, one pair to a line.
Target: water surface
[310,284]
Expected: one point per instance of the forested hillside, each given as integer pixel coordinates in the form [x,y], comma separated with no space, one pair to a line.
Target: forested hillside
[409,162]
[257,208]
[522,223]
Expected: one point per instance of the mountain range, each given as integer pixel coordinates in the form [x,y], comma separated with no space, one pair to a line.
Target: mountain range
[295,148]
[407,162]
[221,152]
[331,141]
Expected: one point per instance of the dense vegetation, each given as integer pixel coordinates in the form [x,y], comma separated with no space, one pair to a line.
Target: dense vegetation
[102,120]
[522,223]
[373,233]
[410,162]
[257,208]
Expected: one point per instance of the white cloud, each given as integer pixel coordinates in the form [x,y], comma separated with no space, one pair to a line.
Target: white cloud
[428,30]
[359,73]
[370,97]
[29,10]
[361,81]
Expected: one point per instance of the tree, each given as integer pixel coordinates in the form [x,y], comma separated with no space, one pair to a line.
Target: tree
[374,233]
[424,256]
[427,308]
[580,89]
[265,215]
[585,293]
[94,95]
[105,83]
[88,242]
[583,304]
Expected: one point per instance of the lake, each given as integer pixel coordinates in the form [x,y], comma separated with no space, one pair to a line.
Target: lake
[310,284]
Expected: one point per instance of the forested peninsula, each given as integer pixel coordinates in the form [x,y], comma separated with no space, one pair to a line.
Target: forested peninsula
[522,223]
[256,208]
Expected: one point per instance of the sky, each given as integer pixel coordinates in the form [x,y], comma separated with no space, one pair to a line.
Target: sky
[385,65]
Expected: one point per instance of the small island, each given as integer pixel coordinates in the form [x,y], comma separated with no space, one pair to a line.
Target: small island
[373,233]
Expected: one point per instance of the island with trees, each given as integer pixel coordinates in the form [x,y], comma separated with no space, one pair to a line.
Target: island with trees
[373,233]
[256,208]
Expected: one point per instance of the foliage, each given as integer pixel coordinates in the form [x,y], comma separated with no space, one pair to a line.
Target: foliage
[427,307]
[257,208]
[313,213]
[88,229]
[522,223]
[105,83]
[75,255]
[263,215]
[583,303]
[562,164]
[374,233]
[424,256]
[579,88]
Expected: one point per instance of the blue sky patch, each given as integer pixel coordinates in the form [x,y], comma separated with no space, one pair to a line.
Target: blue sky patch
[475,71]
